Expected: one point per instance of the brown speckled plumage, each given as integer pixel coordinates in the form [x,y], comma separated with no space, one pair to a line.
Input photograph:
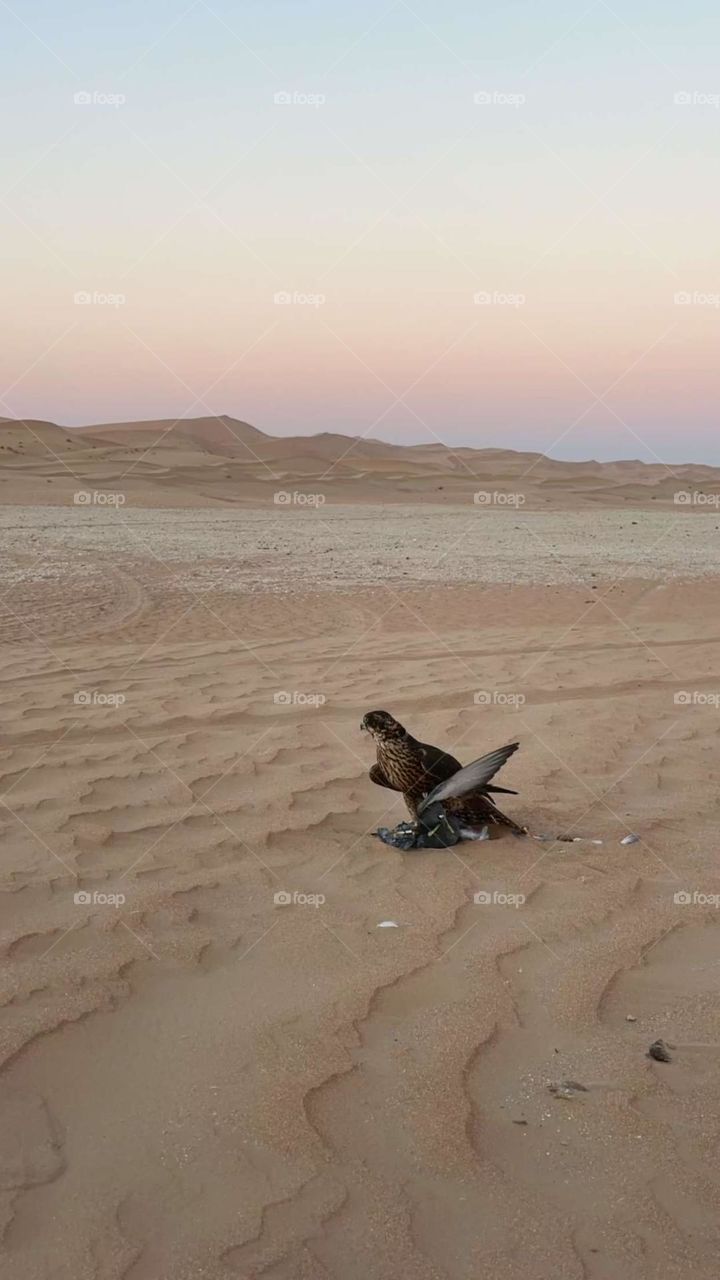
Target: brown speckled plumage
[415,768]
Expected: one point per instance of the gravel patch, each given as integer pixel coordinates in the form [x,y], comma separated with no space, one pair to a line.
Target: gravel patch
[291,549]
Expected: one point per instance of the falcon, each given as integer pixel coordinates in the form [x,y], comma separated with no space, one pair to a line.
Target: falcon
[423,772]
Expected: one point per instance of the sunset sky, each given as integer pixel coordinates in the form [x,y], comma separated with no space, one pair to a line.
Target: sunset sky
[496,225]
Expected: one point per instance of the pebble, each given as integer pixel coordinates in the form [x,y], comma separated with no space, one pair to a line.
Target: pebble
[659,1051]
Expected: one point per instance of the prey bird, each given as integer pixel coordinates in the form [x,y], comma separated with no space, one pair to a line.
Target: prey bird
[435,785]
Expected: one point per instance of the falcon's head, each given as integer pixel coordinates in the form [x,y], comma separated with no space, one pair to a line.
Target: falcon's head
[382,726]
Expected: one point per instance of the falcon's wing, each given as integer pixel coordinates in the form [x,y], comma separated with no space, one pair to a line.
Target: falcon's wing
[436,765]
[473,777]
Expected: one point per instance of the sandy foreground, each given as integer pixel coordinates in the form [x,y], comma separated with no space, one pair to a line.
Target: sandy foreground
[215,1064]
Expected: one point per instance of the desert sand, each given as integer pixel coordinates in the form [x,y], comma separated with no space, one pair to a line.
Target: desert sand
[213,462]
[215,1063]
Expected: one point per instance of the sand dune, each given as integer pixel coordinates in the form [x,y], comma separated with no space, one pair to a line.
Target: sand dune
[215,461]
[201,1079]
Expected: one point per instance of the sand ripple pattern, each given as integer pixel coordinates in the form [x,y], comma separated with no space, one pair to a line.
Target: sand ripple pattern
[201,1078]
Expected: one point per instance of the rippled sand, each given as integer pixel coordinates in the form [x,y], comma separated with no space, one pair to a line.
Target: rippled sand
[202,1079]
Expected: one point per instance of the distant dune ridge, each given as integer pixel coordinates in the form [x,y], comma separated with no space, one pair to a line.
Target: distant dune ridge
[216,460]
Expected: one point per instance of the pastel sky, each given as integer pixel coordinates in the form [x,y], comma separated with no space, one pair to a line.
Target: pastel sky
[497,224]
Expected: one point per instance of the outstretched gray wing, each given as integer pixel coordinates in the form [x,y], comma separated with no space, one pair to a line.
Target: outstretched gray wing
[473,777]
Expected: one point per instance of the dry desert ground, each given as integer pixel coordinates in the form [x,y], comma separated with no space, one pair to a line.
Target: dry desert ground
[215,1064]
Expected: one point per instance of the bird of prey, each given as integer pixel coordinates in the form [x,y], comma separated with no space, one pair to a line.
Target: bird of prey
[427,776]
